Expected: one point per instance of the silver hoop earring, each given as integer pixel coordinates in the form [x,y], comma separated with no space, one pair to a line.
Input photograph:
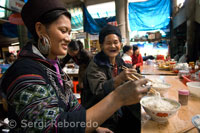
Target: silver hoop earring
[44,45]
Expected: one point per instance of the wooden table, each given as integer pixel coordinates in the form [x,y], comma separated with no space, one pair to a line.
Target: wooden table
[154,70]
[182,119]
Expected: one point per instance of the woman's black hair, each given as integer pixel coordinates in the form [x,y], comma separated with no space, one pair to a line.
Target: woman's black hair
[50,17]
[126,48]
[135,48]
[75,45]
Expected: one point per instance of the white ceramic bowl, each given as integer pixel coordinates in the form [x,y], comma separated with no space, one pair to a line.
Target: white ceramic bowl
[194,88]
[156,115]
[161,87]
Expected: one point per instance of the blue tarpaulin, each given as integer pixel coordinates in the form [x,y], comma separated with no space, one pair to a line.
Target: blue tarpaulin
[77,18]
[9,30]
[93,26]
[149,15]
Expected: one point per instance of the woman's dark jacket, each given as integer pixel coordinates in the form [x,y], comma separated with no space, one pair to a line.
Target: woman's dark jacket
[32,96]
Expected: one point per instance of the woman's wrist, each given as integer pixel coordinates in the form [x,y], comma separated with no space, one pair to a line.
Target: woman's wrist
[117,81]
[116,98]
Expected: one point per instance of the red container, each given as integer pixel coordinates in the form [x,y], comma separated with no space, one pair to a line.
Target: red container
[160,57]
[175,71]
[186,79]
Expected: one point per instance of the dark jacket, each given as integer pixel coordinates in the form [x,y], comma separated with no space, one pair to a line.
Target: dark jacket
[98,83]
[35,95]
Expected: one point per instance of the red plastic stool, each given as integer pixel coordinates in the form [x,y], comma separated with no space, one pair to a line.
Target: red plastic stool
[75,83]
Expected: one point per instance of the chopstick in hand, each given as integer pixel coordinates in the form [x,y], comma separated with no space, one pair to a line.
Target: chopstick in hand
[134,75]
[137,74]
[137,78]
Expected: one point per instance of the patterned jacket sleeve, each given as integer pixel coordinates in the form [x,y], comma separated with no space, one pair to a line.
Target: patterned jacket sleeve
[36,104]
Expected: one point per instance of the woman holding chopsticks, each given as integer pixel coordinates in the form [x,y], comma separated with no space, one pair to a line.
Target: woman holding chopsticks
[106,72]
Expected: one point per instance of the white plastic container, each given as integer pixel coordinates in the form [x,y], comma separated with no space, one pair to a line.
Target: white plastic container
[194,88]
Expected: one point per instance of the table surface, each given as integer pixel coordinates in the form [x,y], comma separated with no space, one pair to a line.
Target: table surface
[182,119]
[154,70]
[72,72]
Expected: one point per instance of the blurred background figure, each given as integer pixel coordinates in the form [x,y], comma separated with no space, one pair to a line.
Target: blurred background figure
[183,59]
[80,56]
[168,57]
[127,53]
[137,59]
[10,58]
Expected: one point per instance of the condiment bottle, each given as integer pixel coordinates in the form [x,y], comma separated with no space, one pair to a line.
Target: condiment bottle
[183,96]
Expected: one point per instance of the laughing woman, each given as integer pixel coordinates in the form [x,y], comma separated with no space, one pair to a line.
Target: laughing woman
[103,75]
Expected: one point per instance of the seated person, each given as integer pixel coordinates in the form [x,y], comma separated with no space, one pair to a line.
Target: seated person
[137,59]
[39,93]
[103,75]
[80,56]
[127,53]
[10,58]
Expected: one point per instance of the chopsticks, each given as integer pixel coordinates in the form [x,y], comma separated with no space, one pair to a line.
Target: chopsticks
[137,78]
[136,74]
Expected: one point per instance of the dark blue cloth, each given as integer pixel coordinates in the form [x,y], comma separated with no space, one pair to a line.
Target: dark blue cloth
[149,15]
[93,26]
[9,30]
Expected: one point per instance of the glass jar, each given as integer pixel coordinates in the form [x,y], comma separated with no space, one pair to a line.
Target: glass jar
[183,96]
[191,64]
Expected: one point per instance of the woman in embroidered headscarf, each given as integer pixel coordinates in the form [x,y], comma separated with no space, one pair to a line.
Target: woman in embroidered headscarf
[104,74]
[38,93]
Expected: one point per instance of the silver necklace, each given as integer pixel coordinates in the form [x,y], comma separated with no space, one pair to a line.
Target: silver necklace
[68,84]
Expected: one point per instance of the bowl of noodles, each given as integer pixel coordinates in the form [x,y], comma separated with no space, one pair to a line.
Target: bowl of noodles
[161,87]
[159,108]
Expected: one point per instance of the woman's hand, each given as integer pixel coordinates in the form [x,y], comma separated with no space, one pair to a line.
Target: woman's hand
[127,74]
[132,91]
[103,130]
[126,94]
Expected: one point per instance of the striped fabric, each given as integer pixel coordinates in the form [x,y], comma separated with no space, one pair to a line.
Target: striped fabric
[35,100]
[127,59]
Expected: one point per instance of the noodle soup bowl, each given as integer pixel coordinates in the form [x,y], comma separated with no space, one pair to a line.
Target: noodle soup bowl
[161,114]
[161,87]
